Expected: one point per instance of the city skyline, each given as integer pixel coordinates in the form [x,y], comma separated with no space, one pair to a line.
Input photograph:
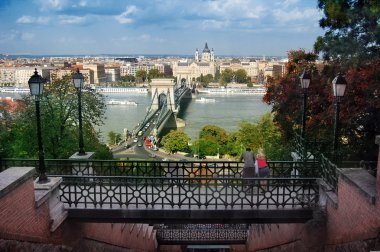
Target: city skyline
[171,27]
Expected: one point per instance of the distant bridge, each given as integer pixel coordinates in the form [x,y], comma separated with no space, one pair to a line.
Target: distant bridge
[166,98]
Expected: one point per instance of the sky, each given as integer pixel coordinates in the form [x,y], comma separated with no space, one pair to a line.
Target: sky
[173,27]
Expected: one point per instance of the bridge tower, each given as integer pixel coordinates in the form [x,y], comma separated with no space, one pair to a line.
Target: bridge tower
[163,87]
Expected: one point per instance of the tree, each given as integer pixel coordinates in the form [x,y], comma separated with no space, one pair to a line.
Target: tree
[360,106]
[205,80]
[113,137]
[352,31]
[59,121]
[226,76]
[352,44]
[284,94]
[141,75]
[241,76]
[175,141]
[127,80]
[154,73]
[214,133]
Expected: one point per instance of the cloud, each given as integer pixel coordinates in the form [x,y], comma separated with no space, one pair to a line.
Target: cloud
[215,24]
[48,5]
[123,18]
[8,36]
[287,3]
[65,19]
[27,36]
[296,14]
[237,9]
[141,38]
[31,20]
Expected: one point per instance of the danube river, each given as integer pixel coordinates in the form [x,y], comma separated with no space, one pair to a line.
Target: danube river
[227,111]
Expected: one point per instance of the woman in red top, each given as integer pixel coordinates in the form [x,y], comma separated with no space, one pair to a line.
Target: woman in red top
[263,167]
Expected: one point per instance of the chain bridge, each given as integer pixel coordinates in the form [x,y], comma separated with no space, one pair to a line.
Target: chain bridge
[165,104]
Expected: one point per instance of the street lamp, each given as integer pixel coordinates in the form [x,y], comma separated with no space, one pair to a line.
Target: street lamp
[305,79]
[36,86]
[339,86]
[78,83]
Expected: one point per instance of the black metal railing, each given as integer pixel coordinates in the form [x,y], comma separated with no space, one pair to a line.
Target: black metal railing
[187,192]
[201,233]
[329,172]
[217,169]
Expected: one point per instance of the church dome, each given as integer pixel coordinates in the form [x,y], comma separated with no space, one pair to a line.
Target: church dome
[206,50]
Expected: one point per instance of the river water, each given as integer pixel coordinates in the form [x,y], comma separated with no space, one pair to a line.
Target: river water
[227,111]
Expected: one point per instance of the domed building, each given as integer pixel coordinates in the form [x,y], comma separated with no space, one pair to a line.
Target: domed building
[190,70]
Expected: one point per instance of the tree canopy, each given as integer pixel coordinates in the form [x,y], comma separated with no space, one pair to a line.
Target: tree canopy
[360,107]
[352,31]
[175,141]
[59,123]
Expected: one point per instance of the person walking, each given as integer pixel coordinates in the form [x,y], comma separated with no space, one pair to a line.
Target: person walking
[249,165]
[263,168]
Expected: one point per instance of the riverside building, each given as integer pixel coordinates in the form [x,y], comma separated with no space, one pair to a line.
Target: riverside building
[190,70]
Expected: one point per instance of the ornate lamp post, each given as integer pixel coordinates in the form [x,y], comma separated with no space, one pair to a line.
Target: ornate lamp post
[305,79]
[78,83]
[36,86]
[339,86]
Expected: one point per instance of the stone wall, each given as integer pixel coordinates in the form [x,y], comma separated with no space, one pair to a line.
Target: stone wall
[33,220]
[20,219]
[351,223]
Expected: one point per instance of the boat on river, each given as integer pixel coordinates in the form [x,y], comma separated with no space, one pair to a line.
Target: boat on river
[204,100]
[118,102]
[232,91]
[132,90]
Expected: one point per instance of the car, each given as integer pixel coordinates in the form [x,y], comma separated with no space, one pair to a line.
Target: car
[126,146]
[140,144]
[135,140]
[152,155]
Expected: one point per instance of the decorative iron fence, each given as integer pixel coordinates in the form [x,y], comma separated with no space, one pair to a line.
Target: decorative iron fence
[201,233]
[216,169]
[188,193]
[329,172]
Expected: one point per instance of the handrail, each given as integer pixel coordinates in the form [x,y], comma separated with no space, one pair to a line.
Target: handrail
[187,193]
[166,168]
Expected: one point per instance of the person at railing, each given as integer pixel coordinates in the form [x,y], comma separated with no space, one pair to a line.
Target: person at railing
[249,165]
[263,168]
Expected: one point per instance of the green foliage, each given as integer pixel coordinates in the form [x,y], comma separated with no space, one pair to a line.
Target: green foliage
[241,76]
[59,122]
[265,134]
[113,137]
[226,76]
[154,73]
[205,80]
[141,75]
[175,141]
[127,81]
[352,31]
[214,133]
